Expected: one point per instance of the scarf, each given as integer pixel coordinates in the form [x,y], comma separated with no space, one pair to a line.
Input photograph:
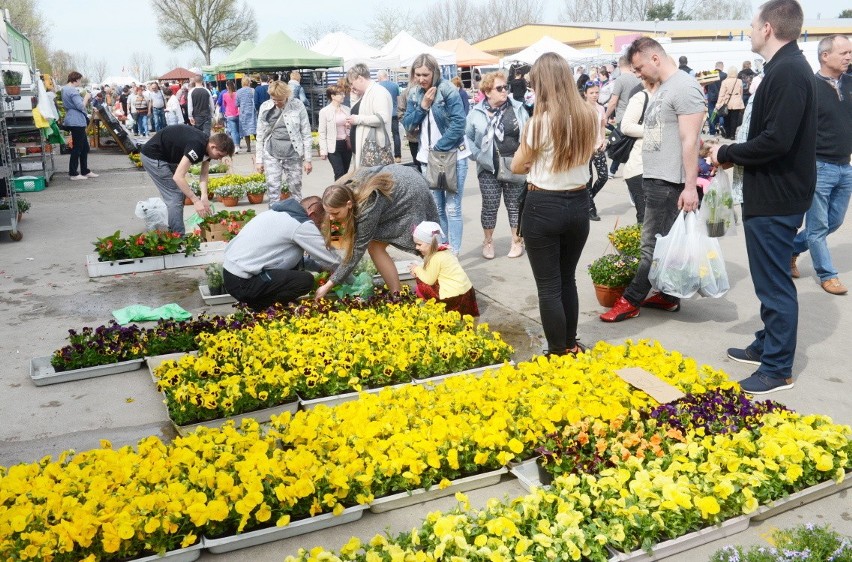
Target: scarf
[495,122]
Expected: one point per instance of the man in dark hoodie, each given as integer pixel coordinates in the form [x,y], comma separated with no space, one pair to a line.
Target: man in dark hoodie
[779,161]
[265,263]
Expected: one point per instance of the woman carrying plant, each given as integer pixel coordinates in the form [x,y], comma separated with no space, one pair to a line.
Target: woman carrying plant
[376,208]
[76,121]
[232,114]
[435,106]
[283,142]
[557,144]
[493,133]
[334,132]
[441,276]
[590,92]
[247,111]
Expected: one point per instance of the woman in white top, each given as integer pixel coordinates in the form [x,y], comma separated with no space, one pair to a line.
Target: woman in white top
[558,142]
[334,132]
[632,126]
[173,113]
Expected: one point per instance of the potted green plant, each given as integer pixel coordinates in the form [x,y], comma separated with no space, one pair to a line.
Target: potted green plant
[611,274]
[627,240]
[254,191]
[718,207]
[230,194]
[23,207]
[12,82]
[215,281]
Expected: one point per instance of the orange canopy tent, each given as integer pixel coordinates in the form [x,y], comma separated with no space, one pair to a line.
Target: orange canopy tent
[467,54]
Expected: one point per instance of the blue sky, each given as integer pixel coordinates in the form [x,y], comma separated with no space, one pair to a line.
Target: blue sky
[89,26]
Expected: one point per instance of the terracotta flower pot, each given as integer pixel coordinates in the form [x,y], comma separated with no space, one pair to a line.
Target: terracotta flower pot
[13,90]
[608,295]
[255,198]
[229,201]
[284,195]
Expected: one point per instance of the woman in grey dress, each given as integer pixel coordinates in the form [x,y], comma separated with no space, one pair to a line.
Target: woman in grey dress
[377,207]
[248,115]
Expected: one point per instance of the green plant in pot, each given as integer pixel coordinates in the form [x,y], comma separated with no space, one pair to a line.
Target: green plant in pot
[611,273]
[230,194]
[215,281]
[255,191]
[627,240]
[23,207]
[718,208]
[12,82]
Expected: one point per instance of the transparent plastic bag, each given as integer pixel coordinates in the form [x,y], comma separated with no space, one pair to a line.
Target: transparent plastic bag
[714,276]
[675,265]
[717,206]
[154,212]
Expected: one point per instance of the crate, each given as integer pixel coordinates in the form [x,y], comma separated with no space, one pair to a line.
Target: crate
[27,184]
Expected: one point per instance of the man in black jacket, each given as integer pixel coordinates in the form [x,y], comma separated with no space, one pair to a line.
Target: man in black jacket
[779,160]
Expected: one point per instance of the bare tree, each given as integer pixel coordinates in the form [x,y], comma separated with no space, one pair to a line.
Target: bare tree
[604,10]
[141,65]
[206,24]
[446,19]
[26,16]
[80,62]
[317,29]
[388,21]
[733,10]
[61,63]
[497,16]
[98,68]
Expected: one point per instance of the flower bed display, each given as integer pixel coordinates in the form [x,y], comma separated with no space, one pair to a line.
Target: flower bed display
[146,244]
[321,355]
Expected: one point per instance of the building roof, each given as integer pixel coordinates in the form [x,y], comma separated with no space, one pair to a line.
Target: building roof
[178,73]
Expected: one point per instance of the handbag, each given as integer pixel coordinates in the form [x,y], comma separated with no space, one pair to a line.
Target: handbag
[374,155]
[620,145]
[722,110]
[441,170]
[504,172]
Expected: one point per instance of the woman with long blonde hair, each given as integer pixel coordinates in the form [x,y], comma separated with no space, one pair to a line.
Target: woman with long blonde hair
[371,209]
[556,146]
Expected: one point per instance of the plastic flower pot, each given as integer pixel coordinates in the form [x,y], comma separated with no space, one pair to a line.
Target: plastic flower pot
[608,295]
[716,229]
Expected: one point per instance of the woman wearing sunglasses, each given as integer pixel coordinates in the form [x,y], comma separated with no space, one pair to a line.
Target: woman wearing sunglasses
[493,132]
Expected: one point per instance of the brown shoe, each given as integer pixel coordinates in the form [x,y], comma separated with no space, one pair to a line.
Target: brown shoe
[794,270]
[834,286]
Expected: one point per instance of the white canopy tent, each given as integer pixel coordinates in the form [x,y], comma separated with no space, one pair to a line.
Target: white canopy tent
[353,51]
[121,80]
[546,44]
[407,48]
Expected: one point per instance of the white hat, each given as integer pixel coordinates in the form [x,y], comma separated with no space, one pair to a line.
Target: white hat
[426,230]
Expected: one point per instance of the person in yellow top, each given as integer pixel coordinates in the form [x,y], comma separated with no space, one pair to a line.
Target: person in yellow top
[441,276]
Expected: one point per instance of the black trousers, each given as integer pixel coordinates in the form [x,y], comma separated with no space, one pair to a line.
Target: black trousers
[269,287]
[340,159]
[397,143]
[79,152]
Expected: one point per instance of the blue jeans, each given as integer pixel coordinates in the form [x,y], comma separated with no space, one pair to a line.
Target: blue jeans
[769,243]
[555,226]
[233,126]
[660,213]
[142,123]
[159,119]
[831,199]
[450,208]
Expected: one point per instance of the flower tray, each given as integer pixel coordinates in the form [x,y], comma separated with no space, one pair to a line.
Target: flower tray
[686,542]
[478,371]
[210,252]
[120,267]
[531,474]
[224,298]
[42,372]
[413,497]
[261,416]
[295,528]
[187,554]
[310,404]
[799,499]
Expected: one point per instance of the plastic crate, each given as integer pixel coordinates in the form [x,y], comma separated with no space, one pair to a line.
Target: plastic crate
[26,184]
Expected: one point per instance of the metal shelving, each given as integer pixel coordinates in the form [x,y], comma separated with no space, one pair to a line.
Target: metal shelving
[9,215]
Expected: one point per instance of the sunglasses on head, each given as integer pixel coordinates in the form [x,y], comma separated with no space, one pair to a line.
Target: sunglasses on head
[592,84]
[501,88]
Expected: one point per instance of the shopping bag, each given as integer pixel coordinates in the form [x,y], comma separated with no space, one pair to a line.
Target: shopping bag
[711,270]
[374,154]
[717,206]
[675,265]
[154,212]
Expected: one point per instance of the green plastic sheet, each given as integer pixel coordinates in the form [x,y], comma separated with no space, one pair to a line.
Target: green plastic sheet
[142,313]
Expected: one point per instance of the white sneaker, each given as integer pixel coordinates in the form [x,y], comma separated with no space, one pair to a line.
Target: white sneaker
[91,175]
[237,150]
[77,178]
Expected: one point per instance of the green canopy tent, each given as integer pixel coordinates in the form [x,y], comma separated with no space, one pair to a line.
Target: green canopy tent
[234,55]
[276,52]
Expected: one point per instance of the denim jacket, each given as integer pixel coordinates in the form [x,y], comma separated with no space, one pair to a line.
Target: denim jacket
[447,110]
[477,121]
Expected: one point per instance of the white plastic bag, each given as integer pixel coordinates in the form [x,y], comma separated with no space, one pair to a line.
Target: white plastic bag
[717,206]
[675,265]
[154,212]
[714,276]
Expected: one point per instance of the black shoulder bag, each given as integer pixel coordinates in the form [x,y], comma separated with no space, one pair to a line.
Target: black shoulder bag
[620,144]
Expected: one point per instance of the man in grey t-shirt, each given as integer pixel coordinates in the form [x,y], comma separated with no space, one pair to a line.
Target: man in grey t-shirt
[673,122]
[622,89]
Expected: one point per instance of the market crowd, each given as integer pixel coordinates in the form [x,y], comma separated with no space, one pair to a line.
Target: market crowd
[536,139]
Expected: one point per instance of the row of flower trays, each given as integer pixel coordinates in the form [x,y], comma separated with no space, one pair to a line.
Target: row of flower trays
[633,473]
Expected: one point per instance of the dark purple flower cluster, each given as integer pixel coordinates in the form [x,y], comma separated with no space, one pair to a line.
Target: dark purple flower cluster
[717,411]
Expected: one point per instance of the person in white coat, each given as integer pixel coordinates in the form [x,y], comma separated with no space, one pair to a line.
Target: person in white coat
[372,108]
